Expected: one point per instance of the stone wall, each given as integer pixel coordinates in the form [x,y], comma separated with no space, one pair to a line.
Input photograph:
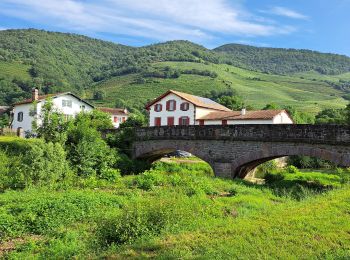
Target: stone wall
[233,151]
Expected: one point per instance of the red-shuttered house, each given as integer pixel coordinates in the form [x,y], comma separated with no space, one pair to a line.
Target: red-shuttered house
[178,108]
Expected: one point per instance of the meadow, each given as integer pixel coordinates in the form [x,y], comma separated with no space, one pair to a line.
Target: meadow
[178,211]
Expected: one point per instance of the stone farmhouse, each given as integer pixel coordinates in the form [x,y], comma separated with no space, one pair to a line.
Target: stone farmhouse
[178,108]
[24,113]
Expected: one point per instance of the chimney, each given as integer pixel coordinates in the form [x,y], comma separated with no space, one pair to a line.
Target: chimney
[35,94]
[243,111]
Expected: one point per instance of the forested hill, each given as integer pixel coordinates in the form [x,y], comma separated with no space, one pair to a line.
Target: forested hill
[68,62]
[283,61]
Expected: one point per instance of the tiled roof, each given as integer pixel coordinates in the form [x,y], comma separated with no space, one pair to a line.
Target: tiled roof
[196,100]
[43,97]
[114,111]
[237,115]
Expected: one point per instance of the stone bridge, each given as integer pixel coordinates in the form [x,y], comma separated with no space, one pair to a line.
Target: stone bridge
[233,151]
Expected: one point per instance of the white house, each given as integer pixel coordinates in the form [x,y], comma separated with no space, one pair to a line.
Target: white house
[118,115]
[27,111]
[178,108]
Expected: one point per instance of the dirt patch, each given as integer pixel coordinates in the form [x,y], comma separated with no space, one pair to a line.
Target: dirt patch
[11,245]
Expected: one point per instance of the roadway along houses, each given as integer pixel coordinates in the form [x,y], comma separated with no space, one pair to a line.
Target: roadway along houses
[178,108]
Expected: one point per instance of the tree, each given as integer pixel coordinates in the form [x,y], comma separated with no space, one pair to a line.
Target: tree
[53,125]
[232,102]
[332,116]
[272,106]
[99,95]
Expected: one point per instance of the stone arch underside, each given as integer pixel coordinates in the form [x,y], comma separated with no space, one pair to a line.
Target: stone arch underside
[230,159]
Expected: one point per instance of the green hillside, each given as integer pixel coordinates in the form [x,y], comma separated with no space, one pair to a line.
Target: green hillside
[130,76]
[283,61]
[258,89]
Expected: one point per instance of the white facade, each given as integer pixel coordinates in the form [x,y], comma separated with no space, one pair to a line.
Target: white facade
[198,114]
[118,119]
[67,104]
[176,114]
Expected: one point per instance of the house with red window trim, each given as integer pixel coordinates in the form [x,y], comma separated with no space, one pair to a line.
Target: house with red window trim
[118,115]
[178,108]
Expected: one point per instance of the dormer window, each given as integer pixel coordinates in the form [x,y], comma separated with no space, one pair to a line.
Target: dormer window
[171,105]
[185,106]
[158,107]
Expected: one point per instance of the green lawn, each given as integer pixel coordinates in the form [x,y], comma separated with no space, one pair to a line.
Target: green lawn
[175,212]
[257,88]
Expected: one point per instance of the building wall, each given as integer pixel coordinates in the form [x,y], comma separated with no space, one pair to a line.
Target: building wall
[201,111]
[282,118]
[238,122]
[26,124]
[120,119]
[164,114]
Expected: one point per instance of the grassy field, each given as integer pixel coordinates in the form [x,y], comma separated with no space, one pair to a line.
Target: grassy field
[179,211]
[13,69]
[258,89]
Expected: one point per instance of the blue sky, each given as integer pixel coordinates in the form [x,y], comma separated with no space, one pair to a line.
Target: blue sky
[321,25]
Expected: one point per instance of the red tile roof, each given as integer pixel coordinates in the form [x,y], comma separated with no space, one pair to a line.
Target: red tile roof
[237,115]
[114,111]
[196,100]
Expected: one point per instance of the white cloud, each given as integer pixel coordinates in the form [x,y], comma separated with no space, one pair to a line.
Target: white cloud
[155,19]
[282,11]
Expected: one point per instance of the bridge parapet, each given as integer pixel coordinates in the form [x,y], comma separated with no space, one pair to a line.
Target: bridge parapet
[312,134]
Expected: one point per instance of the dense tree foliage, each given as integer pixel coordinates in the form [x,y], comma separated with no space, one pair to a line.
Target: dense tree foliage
[282,61]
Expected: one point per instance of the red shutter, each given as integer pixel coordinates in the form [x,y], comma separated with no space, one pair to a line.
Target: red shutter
[168,105]
[180,120]
[201,122]
[160,107]
[157,121]
[187,121]
[170,121]
[224,122]
[174,105]
[182,106]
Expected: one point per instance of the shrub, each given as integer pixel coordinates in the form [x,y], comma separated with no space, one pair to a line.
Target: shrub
[292,169]
[33,163]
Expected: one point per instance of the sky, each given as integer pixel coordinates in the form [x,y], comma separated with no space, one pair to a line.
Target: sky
[321,25]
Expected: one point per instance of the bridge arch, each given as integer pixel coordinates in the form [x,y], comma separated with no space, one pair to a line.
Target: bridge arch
[243,165]
[234,150]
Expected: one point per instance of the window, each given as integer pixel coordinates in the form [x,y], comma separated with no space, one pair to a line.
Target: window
[184,120]
[20,117]
[171,105]
[158,107]
[124,119]
[82,107]
[66,103]
[201,122]
[185,106]
[224,122]
[115,119]
[170,121]
[157,121]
